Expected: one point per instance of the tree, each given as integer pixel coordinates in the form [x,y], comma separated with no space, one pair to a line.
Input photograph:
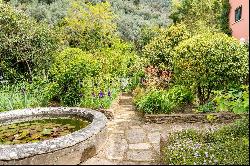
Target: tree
[202,15]
[89,26]
[26,47]
[159,50]
[209,62]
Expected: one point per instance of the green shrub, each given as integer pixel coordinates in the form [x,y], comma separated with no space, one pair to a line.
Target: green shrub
[70,75]
[78,77]
[121,62]
[209,62]
[138,93]
[117,60]
[155,102]
[240,128]
[163,101]
[88,26]
[224,19]
[159,49]
[24,51]
[207,107]
[146,35]
[180,95]
[234,100]
[226,146]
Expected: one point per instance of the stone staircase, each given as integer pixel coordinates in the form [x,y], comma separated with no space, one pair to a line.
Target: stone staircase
[129,141]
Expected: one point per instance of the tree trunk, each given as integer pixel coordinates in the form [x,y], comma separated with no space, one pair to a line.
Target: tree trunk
[200,95]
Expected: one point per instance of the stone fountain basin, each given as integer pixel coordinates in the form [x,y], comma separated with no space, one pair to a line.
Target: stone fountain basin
[70,149]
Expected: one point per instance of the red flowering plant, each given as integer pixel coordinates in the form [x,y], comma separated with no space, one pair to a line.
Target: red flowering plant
[156,77]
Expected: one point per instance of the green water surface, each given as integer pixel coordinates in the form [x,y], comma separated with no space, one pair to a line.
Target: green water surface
[39,130]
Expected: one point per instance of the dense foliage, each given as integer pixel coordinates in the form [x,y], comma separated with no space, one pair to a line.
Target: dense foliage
[160,48]
[78,76]
[209,15]
[22,95]
[137,14]
[49,11]
[209,62]
[71,68]
[131,16]
[234,100]
[226,146]
[163,101]
[23,49]
[89,74]
[80,33]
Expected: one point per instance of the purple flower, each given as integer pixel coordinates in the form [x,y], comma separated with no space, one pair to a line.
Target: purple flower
[101,95]
[109,93]
[80,94]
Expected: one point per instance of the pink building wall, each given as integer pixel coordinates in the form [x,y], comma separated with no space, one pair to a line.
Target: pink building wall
[240,29]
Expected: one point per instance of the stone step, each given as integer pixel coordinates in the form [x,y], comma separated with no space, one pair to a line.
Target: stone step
[126,101]
[126,94]
[129,141]
[99,161]
[127,107]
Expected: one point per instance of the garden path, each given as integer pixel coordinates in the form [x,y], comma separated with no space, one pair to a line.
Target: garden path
[131,141]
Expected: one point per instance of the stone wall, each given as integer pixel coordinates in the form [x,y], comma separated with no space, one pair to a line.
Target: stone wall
[224,117]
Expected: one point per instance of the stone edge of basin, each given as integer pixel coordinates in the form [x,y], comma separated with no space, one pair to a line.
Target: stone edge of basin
[19,151]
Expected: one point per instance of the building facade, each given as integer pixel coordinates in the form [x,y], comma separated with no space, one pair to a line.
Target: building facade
[239,19]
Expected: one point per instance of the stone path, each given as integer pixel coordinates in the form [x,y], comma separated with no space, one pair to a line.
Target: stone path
[131,141]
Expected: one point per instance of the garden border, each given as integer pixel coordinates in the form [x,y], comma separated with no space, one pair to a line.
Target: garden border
[222,117]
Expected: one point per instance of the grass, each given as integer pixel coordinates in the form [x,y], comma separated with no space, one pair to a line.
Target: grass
[20,96]
[30,95]
[226,146]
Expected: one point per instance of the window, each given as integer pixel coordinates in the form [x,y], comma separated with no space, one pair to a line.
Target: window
[238,13]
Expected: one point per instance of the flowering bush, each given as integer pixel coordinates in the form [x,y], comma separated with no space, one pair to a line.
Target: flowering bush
[157,78]
[228,145]
[101,100]
[78,77]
